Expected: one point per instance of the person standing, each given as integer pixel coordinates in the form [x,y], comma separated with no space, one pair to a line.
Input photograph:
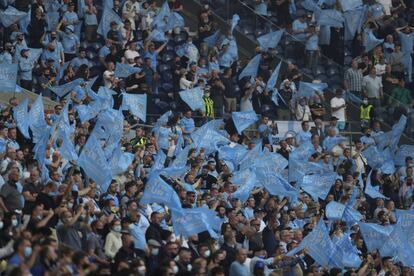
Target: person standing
[372,85]
[338,107]
[353,79]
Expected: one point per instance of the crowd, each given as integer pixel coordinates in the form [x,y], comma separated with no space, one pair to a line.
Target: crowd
[216,185]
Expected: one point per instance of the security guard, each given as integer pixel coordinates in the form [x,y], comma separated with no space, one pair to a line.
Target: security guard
[208,105]
[366,112]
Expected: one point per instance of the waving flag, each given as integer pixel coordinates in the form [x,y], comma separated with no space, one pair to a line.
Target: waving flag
[67,149]
[318,185]
[403,152]
[120,161]
[345,253]
[251,68]
[94,163]
[234,154]
[21,115]
[136,104]
[261,9]
[353,21]
[275,184]
[273,78]
[125,70]
[308,89]
[350,5]
[194,98]
[34,54]
[330,142]
[157,36]
[270,40]
[10,16]
[374,157]
[334,210]
[370,41]
[157,191]
[189,222]
[212,39]
[374,235]
[162,16]
[244,119]
[66,88]
[243,191]
[372,192]
[234,21]
[108,16]
[310,5]
[397,131]
[331,18]
[37,121]
[8,77]
[175,20]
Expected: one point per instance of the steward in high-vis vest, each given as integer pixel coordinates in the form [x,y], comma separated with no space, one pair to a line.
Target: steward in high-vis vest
[366,113]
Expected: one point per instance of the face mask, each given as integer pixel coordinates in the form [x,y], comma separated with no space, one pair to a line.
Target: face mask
[142,270]
[285,208]
[39,217]
[14,222]
[117,228]
[207,94]
[189,267]
[27,251]
[1,225]
[175,269]
[155,251]
[207,253]
[365,102]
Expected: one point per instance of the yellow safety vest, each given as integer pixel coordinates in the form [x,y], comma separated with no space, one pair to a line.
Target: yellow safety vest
[365,112]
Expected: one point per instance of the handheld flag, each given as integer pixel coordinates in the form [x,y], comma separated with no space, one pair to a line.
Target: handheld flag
[244,119]
[273,78]
[270,40]
[318,185]
[108,16]
[10,16]
[136,104]
[370,41]
[125,70]
[234,21]
[21,115]
[194,98]
[251,68]
[8,77]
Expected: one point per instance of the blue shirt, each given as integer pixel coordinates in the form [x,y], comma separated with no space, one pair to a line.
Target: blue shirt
[6,57]
[367,140]
[69,43]
[153,57]
[187,124]
[237,269]
[104,51]
[53,55]
[90,19]
[297,25]
[70,18]
[138,235]
[25,68]
[303,136]
[312,43]
[77,62]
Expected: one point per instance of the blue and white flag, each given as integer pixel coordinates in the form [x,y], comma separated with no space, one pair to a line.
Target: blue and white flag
[161,18]
[212,39]
[66,88]
[10,16]
[334,210]
[87,112]
[120,161]
[8,77]
[243,191]
[210,140]
[21,115]
[193,98]
[349,96]
[125,70]
[37,122]
[273,78]
[234,21]
[403,152]
[244,119]
[261,9]
[331,18]
[157,36]
[175,20]
[318,185]
[374,234]
[270,40]
[370,41]
[345,254]
[308,89]
[159,161]
[52,20]
[354,20]
[67,149]
[275,184]
[189,222]
[310,5]
[350,5]
[108,16]
[330,142]
[234,154]
[94,163]
[251,68]
[34,54]
[372,192]
[158,191]
[374,157]
[397,131]
[136,104]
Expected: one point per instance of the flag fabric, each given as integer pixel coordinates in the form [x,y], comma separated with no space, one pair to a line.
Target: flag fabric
[372,192]
[21,115]
[37,121]
[275,184]
[108,16]
[136,104]
[234,21]
[261,9]
[308,89]
[212,39]
[94,163]
[125,70]
[159,161]
[271,83]
[403,152]
[157,36]
[66,88]
[349,96]
[353,21]
[243,191]
[350,5]
[244,119]
[310,5]
[197,135]
[397,131]
[345,253]
[251,68]
[374,157]
[210,139]
[8,77]
[120,161]
[52,20]
[34,54]
[189,222]
[370,41]
[270,40]
[67,149]
[374,234]
[162,16]
[10,16]
[175,20]
[87,112]
[334,210]
[193,98]
[318,185]
[158,191]
[330,142]
[234,154]
[331,18]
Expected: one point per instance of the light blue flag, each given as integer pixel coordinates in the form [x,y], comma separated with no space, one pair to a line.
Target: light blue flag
[136,104]
[175,20]
[273,78]
[397,131]
[371,191]
[157,36]
[275,184]
[125,70]
[37,121]
[353,21]
[159,161]
[8,77]
[87,112]
[308,89]
[267,163]
[251,68]
[105,96]
[197,135]
[310,5]
[10,16]
[67,149]
[3,146]
[174,171]
[318,185]
[405,218]
[244,119]
[94,163]
[52,20]
[351,216]
[66,88]
[349,96]
[120,161]
[370,41]
[403,152]
[234,21]
[345,253]
[193,98]
[350,5]
[234,154]
[331,18]
[189,222]
[335,210]
[374,235]
[261,9]
[211,138]
[243,191]
[212,39]
[383,140]
[399,245]
[108,16]
[162,16]
[181,159]
[330,142]
[270,40]
[374,158]
[34,54]
[157,191]
[21,115]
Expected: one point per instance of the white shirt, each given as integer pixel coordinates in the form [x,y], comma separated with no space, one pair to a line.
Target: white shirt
[340,113]
[387,6]
[107,78]
[372,86]
[185,84]
[131,54]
